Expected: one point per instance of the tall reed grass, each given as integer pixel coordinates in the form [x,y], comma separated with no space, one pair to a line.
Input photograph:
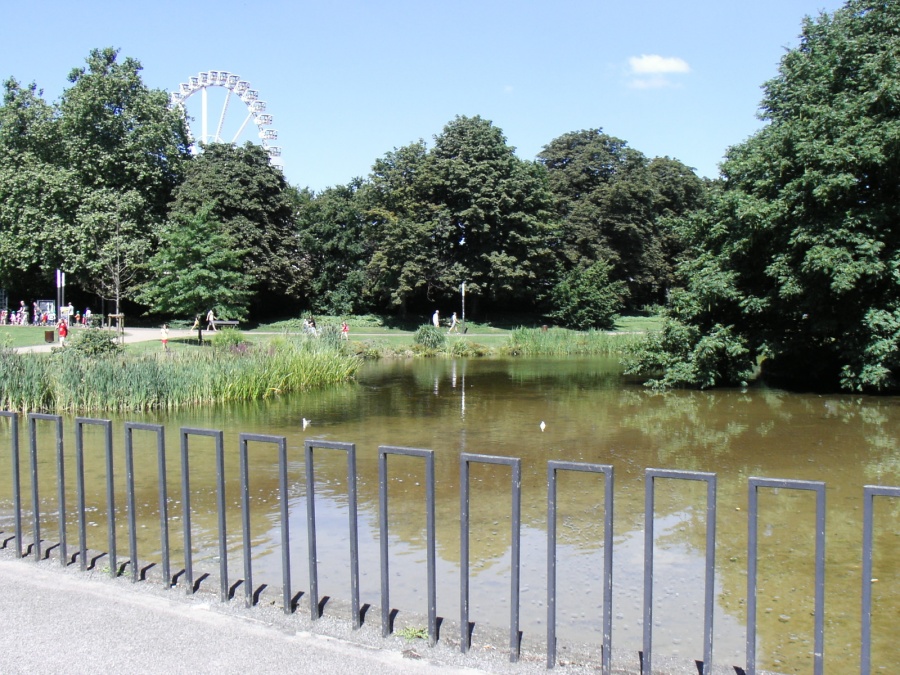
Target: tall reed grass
[563,342]
[71,382]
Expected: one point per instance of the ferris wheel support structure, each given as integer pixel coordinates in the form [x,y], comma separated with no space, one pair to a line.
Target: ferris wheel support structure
[234,86]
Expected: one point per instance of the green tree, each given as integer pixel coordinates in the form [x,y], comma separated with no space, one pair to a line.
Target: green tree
[197,267]
[796,258]
[128,150]
[467,210]
[613,204]
[250,198]
[86,181]
[406,262]
[39,195]
[588,298]
[335,248]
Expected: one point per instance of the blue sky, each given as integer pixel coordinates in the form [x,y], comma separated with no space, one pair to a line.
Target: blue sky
[347,82]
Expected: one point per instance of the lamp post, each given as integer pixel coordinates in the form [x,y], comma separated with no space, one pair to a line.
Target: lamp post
[462,290]
[60,292]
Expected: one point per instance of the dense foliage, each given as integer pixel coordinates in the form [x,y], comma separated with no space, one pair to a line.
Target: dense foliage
[468,210]
[197,268]
[247,198]
[83,183]
[796,259]
[614,207]
[102,186]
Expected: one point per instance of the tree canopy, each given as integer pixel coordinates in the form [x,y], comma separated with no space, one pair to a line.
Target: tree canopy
[614,204]
[466,210]
[84,182]
[796,260]
[240,190]
[197,268]
[101,184]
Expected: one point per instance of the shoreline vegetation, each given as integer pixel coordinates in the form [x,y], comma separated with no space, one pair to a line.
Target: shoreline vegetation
[69,381]
[94,374]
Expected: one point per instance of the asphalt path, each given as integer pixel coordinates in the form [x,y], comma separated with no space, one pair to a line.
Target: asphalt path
[56,622]
[149,334]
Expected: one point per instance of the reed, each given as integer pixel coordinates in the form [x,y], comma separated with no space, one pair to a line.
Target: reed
[563,342]
[71,382]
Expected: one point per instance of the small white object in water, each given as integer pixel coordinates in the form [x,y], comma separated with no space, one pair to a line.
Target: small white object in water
[543,426]
[306,422]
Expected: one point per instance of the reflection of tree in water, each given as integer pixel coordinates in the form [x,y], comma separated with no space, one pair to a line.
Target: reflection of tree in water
[766,432]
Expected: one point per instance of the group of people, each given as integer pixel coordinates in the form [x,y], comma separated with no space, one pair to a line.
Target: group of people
[454,324]
[37,315]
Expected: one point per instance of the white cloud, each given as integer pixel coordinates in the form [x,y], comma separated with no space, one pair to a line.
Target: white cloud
[654,64]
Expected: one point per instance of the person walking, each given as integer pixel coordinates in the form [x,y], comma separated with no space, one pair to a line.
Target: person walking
[210,321]
[436,319]
[454,328]
[345,331]
[164,334]
[63,329]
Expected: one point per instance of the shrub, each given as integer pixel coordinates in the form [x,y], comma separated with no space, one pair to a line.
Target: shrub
[430,337]
[94,342]
[227,339]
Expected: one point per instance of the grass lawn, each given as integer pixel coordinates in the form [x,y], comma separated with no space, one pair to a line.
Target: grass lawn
[24,336]
[638,324]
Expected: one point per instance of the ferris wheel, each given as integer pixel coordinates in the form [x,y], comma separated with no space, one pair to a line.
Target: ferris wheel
[237,104]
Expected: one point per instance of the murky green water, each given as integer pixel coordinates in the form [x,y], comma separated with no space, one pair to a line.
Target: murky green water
[591,415]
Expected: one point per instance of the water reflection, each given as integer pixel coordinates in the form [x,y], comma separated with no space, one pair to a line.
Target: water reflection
[592,415]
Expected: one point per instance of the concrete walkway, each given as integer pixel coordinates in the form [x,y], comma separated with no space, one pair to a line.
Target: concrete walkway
[54,621]
[131,335]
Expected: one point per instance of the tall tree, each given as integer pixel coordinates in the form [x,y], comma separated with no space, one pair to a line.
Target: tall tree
[39,194]
[86,181]
[250,199]
[612,202]
[468,210]
[127,149]
[333,239]
[796,258]
[197,268]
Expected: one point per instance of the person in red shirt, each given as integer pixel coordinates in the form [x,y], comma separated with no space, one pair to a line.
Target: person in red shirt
[63,332]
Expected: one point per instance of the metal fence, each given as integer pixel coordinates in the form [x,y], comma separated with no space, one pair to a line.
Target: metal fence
[313,447]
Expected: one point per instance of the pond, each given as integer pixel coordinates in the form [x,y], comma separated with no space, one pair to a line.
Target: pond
[591,413]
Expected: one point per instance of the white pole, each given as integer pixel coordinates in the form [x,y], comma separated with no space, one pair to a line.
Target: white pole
[463,291]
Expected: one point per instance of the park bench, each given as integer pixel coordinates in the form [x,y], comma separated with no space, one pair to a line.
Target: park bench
[225,324]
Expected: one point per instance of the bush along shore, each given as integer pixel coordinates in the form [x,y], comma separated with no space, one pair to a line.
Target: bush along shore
[75,380]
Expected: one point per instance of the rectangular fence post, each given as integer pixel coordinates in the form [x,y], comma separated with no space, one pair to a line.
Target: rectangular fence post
[280,443]
[752,544]
[80,423]
[130,428]
[428,456]
[465,459]
[869,494]
[650,476]
[33,419]
[553,468]
[220,508]
[350,449]
[16,484]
